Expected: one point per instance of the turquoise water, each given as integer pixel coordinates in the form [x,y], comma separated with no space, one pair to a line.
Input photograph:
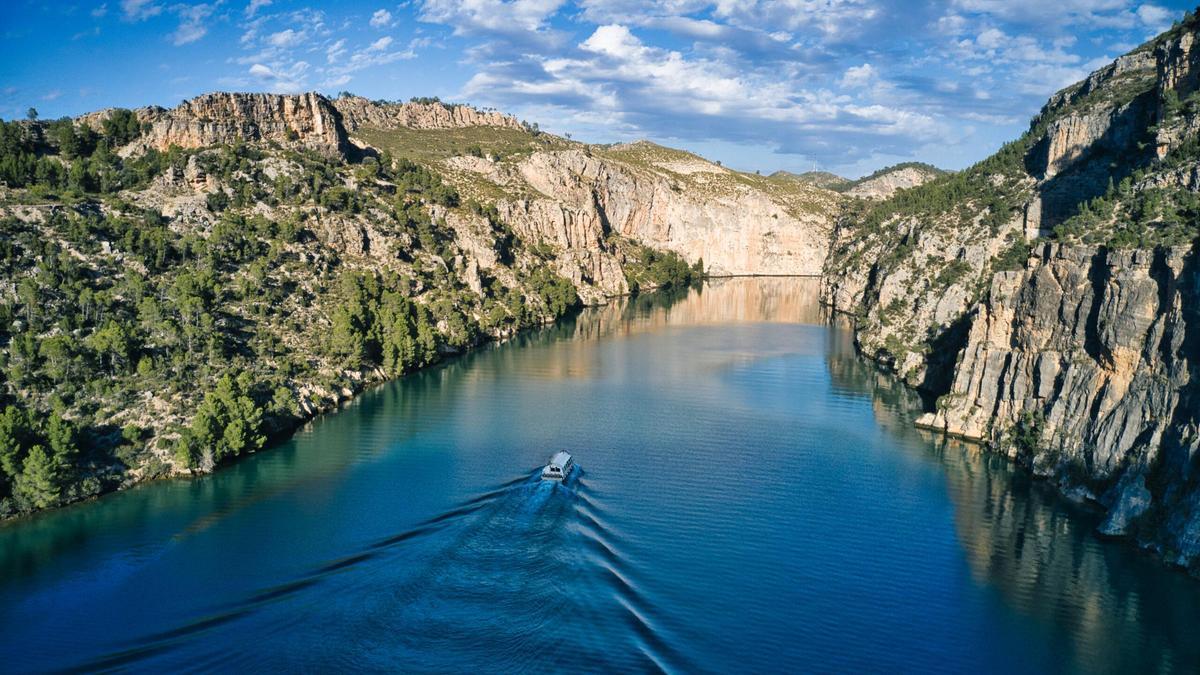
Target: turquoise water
[751,496]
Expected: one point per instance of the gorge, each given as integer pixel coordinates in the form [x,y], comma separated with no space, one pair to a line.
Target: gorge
[217,273]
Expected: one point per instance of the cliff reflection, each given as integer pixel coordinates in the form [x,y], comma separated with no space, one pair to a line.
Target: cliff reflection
[719,301]
[1110,608]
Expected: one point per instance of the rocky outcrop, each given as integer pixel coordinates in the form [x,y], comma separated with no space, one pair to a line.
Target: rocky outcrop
[1069,138]
[305,120]
[360,112]
[886,183]
[581,199]
[1177,64]
[1087,136]
[1091,354]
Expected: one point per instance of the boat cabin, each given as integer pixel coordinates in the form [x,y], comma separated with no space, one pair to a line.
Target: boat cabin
[558,467]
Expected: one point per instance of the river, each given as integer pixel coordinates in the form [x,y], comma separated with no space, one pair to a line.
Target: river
[750,496]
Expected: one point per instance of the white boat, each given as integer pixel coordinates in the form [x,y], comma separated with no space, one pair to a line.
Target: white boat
[558,467]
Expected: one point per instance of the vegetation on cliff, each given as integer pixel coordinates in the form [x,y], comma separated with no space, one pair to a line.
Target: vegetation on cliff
[167,311]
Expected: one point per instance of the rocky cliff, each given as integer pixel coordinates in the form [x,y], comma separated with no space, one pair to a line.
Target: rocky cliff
[912,266]
[307,120]
[1047,297]
[582,200]
[359,112]
[574,198]
[1082,367]
[697,209]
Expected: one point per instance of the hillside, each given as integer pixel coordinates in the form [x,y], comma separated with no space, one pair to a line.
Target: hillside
[181,286]
[1047,296]
[887,181]
[821,179]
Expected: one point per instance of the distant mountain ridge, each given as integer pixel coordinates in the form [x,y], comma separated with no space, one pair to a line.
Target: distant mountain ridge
[880,184]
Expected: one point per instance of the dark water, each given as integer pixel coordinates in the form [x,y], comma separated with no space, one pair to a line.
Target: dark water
[751,497]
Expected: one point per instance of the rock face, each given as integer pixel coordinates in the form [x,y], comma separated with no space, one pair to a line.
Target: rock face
[1089,129]
[576,200]
[307,120]
[887,182]
[357,112]
[1093,352]
[739,232]
[1077,360]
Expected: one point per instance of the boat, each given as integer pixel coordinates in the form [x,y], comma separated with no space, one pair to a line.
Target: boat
[559,467]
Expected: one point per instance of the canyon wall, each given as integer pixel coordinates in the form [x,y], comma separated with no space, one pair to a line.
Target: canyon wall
[1075,358]
[1081,367]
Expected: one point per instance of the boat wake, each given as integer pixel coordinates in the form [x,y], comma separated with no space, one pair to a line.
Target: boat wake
[496,572]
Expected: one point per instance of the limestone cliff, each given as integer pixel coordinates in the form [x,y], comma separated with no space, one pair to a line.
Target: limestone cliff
[581,200]
[1073,354]
[359,112]
[911,267]
[1082,367]
[700,211]
[306,120]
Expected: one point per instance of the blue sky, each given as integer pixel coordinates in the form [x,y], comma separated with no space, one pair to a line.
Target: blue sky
[840,85]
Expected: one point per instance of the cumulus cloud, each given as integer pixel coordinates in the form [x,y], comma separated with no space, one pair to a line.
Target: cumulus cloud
[380,44]
[661,92]
[381,19]
[290,80]
[490,16]
[857,77]
[285,38]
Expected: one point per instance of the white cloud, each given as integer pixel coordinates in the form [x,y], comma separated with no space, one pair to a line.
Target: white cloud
[286,81]
[335,51]
[100,11]
[285,38]
[1154,17]
[857,77]
[254,6]
[702,96]
[380,44]
[375,54]
[381,18]
[136,10]
[192,20]
[490,16]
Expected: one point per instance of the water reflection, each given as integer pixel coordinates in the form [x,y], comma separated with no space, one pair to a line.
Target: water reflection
[1109,607]
[723,374]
